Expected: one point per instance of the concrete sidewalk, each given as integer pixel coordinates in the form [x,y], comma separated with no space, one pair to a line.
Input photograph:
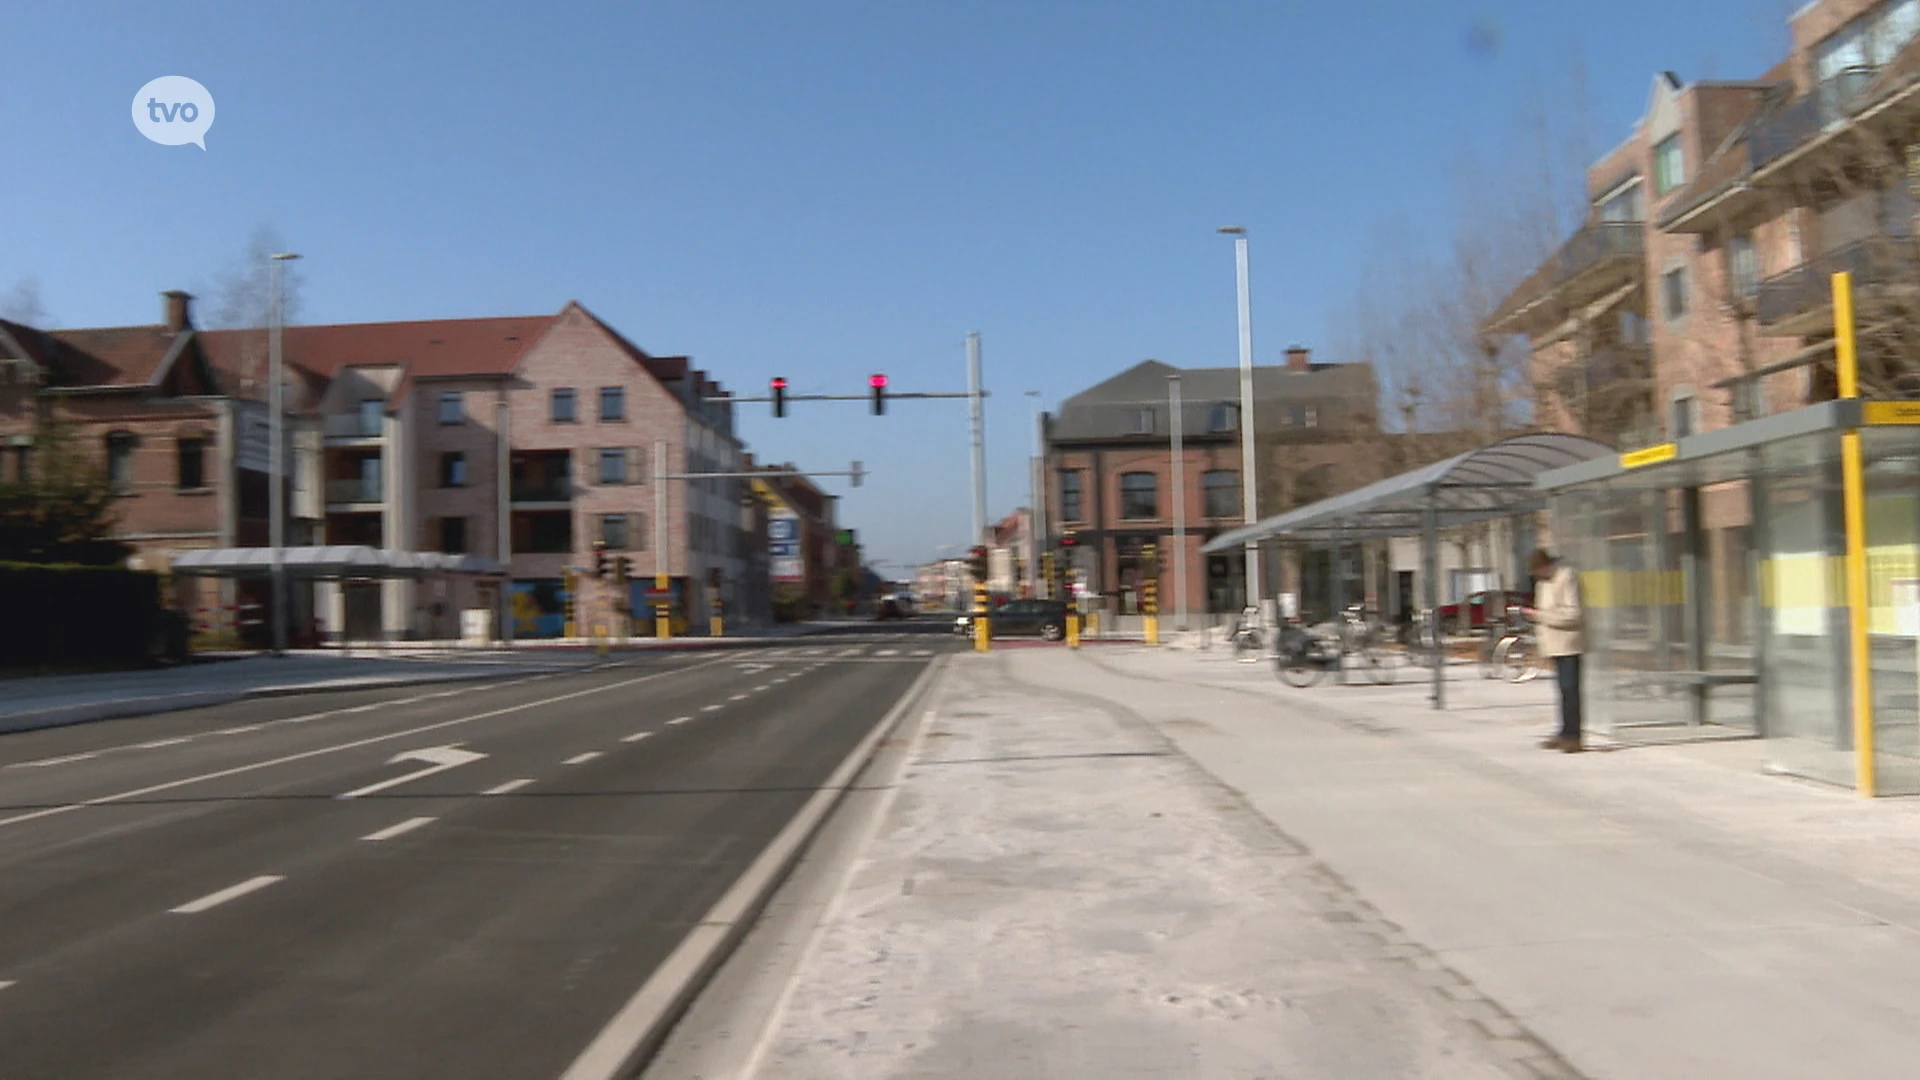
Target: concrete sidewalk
[1056,891]
[1154,862]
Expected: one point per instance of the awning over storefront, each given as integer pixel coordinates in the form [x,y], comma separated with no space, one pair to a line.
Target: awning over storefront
[1493,481]
[350,561]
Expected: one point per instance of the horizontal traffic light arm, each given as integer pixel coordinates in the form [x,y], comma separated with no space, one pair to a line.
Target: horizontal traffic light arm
[762,473]
[892,395]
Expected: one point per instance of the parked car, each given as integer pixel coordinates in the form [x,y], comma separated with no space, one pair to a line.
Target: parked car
[1483,608]
[1047,618]
[889,608]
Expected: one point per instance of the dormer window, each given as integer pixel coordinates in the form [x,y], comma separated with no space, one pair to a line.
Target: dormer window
[1223,417]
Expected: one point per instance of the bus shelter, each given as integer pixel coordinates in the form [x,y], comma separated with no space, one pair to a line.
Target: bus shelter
[1496,481]
[1715,571]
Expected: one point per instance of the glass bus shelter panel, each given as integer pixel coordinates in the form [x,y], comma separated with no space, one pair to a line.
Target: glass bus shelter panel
[1576,536]
[1804,608]
[1640,612]
[1892,457]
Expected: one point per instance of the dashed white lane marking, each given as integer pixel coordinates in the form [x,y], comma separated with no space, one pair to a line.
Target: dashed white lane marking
[638,735]
[241,730]
[738,697]
[44,762]
[4,983]
[392,831]
[511,785]
[158,743]
[761,687]
[855,651]
[709,708]
[582,759]
[887,652]
[231,892]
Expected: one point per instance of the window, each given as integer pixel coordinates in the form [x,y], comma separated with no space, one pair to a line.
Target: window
[1669,167]
[453,470]
[1301,416]
[562,405]
[613,404]
[1142,421]
[1070,495]
[453,535]
[1743,270]
[1222,487]
[1680,414]
[120,460]
[453,408]
[1223,417]
[1139,496]
[193,463]
[372,412]
[1623,205]
[613,530]
[1868,42]
[613,466]
[1673,293]
[1632,327]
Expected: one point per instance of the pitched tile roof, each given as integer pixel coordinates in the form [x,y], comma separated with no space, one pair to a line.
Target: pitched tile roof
[425,348]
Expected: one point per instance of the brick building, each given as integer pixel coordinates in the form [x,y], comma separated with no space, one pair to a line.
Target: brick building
[1696,293]
[150,405]
[522,439]
[1108,463]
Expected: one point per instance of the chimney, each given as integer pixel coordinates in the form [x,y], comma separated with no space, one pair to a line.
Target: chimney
[178,310]
[1297,358]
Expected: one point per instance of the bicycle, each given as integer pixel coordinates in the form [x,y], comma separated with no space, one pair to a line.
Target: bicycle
[1517,657]
[1246,640]
[1360,639]
[1418,637]
[1304,655]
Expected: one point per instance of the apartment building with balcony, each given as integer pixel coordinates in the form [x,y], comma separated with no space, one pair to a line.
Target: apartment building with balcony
[1697,294]
[525,440]
[1109,469]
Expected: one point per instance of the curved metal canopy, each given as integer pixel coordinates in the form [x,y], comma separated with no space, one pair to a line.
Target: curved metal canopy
[1490,482]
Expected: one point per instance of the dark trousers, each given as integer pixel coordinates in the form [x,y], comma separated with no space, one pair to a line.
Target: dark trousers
[1567,670]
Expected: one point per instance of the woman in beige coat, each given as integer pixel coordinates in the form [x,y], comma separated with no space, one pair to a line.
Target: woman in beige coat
[1560,622]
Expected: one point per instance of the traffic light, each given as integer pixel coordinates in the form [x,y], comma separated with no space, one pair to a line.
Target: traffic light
[622,568]
[859,473]
[779,387]
[1069,539]
[599,558]
[977,564]
[879,384]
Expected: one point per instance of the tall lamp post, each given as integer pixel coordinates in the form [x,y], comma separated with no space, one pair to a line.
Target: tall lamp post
[276,452]
[1179,501]
[1036,534]
[1249,483]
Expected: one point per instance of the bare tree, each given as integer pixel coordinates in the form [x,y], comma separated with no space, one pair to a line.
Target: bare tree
[244,292]
[22,304]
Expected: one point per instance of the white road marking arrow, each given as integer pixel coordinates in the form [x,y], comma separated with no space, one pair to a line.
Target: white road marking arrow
[440,759]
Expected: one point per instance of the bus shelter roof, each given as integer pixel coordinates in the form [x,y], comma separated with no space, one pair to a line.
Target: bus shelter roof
[1493,481]
[332,561]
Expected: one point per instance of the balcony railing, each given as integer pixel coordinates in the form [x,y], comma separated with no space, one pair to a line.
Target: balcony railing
[353,426]
[542,491]
[1881,260]
[1808,115]
[364,489]
[1610,371]
[1595,244]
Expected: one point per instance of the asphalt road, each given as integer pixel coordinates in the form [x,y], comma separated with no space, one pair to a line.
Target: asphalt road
[194,895]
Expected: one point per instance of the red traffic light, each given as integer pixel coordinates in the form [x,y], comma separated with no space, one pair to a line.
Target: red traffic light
[779,384]
[879,384]
[876,380]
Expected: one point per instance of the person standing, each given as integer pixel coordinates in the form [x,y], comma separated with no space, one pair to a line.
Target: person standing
[1561,621]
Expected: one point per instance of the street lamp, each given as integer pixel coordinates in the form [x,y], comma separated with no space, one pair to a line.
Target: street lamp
[1035,488]
[1174,412]
[276,453]
[1249,484]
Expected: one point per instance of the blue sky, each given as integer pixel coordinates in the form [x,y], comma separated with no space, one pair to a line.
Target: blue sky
[818,189]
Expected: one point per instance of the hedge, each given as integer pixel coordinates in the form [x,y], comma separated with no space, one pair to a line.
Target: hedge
[60,614]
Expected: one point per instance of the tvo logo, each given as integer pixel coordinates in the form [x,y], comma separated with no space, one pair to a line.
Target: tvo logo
[174,110]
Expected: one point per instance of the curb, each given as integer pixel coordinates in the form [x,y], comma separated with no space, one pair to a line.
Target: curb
[636,1032]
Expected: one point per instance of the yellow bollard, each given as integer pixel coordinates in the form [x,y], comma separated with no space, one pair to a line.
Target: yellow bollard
[600,644]
[1073,630]
[1153,629]
[662,613]
[982,625]
[716,626]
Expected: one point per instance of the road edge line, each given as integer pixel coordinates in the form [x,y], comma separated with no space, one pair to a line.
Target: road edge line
[626,1041]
